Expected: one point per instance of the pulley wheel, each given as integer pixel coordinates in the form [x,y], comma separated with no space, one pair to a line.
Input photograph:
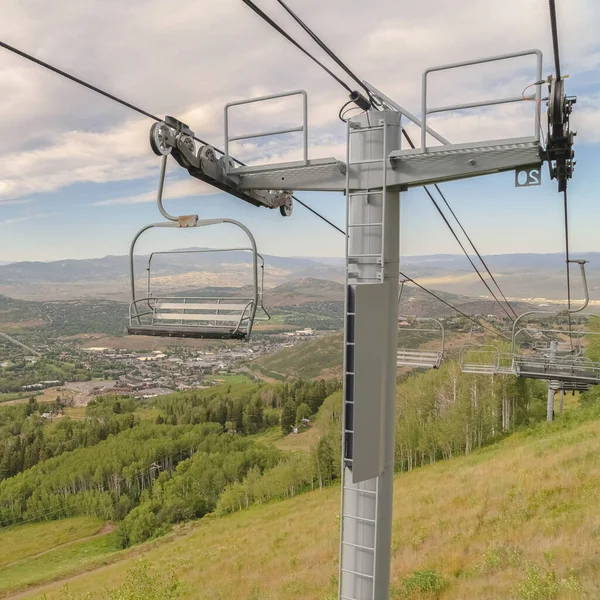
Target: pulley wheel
[159,133]
[286,208]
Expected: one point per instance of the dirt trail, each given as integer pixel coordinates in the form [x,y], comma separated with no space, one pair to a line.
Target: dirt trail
[108,528]
[123,555]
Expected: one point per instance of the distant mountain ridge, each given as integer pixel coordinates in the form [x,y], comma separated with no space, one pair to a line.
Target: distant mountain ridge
[521,276]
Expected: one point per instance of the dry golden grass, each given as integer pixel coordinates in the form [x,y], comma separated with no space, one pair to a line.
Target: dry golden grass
[518,520]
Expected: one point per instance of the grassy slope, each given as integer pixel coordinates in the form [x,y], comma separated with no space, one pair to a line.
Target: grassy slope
[18,543]
[306,360]
[496,524]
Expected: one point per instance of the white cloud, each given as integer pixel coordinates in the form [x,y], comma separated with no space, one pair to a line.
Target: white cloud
[194,57]
[179,189]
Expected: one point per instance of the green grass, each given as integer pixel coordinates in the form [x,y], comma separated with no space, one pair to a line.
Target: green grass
[306,360]
[58,563]
[18,543]
[517,520]
[8,396]
[229,379]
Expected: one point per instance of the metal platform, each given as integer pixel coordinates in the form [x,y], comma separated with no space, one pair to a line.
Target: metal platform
[316,175]
[460,161]
[576,371]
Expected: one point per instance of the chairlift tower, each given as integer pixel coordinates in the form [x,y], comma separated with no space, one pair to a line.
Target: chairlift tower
[375,172]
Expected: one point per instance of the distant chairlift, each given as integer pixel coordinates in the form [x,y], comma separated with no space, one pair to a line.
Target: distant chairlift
[551,364]
[423,359]
[203,317]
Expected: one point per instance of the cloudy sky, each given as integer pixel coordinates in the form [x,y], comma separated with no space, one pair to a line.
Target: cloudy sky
[77,176]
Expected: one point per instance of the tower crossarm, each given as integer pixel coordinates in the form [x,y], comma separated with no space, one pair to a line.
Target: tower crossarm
[176,138]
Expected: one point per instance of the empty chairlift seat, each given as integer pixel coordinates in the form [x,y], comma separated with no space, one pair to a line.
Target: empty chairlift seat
[204,317]
[217,318]
[422,359]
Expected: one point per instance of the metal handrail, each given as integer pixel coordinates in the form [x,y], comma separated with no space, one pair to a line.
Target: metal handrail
[425,111]
[303,129]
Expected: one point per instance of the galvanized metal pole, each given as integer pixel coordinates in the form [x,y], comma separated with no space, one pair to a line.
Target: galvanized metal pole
[551,391]
[373,223]
[562,400]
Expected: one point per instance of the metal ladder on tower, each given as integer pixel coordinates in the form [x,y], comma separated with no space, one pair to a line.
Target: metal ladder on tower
[365,258]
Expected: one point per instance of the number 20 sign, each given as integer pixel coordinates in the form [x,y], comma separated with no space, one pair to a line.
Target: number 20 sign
[528,176]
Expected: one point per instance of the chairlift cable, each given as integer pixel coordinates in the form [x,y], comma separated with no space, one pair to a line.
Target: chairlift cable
[290,39]
[133,107]
[437,187]
[554,27]
[460,312]
[567,261]
[324,46]
[89,86]
[441,213]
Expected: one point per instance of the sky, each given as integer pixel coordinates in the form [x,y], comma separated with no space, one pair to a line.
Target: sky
[78,178]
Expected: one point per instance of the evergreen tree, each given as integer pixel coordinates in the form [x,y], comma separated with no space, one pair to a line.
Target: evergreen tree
[288,417]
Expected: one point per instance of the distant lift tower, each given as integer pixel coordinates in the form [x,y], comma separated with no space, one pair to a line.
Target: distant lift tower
[375,171]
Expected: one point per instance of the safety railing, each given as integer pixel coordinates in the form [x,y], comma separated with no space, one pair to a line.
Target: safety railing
[425,110]
[299,129]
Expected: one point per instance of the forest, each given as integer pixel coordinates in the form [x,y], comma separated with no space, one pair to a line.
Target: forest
[183,456]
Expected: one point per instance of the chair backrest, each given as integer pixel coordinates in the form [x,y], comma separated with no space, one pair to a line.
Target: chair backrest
[218,312]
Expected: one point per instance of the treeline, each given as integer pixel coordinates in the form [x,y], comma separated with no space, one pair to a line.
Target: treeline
[108,479]
[294,473]
[195,486]
[439,414]
[21,373]
[442,413]
[25,439]
[246,408]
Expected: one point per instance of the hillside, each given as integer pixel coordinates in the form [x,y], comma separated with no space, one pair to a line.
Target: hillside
[528,533]
[306,360]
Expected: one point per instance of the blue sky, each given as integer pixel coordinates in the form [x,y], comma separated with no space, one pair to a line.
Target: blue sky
[74,167]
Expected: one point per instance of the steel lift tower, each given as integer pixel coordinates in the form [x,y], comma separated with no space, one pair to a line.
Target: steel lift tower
[374,173]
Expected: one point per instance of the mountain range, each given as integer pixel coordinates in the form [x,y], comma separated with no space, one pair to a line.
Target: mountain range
[520,276]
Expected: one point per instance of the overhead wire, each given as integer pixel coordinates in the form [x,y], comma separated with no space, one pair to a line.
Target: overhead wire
[143,112]
[556,52]
[133,107]
[448,224]
[460,312]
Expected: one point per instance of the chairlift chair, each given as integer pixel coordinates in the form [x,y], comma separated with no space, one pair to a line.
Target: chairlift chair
[469,355]
[421,359]
[261,280]
[201,317]
[550,365]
